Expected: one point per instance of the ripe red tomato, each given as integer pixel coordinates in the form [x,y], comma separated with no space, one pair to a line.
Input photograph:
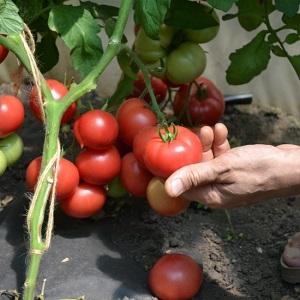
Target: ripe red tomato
[11,115]
[86,201]
[159,87]
[67,178]
[161,202]
[58,91]
[133,115]
[133,176]
[162,158]
[98,166]
[175,276]
[140,141]
[96,129]
[3,53]
[206,102]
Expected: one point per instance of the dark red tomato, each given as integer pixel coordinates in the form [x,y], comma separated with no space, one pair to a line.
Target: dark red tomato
[175,276]
[140,141]
[161,202]
[96,129]
[162,158]
[206,102]
[98,166]
[58,91]
[3,53]
[86,201]
[133,176]
[67,178]
[133,115]
[160,89]
[11,115]
[122,147]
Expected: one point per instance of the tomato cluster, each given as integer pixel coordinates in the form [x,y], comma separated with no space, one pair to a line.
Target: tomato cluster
[176,56]
[11,119]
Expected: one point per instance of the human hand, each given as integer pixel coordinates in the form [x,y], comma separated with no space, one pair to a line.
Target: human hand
[240,176]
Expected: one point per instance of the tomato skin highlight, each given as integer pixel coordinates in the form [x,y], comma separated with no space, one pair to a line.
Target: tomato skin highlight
[11,114]
[86,201]
[133,176]
[164,158]
[67,178]
[159,87]
[175,276]
[96,129]
[206,103]
[98,167]
[58,91]
[133,115]
[3,53]
[161,202]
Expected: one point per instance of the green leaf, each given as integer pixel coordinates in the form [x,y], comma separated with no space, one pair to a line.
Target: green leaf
[190,15]
[276,50]
[100,11]
[47,53]
[292,38]
[249,61]
[150,14]
[292,22]
[295,60]
[10,21]
[229,17]
[251,14]
[79,31]
[272,38]
[224,5]
[288,7]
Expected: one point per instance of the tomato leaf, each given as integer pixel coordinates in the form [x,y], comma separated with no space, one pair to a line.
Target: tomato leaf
[150,14]
[292,38]
[296,64]
[251,13]
[100,11]
[276,50]
[190,15]
[288,7]
[10,21]
[292,22]
[224,5]
[79,31]
[47,52]
[249,61]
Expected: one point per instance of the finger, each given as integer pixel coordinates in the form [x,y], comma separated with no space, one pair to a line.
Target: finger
[220,144]
[287,146]
[191,176]
[206,135]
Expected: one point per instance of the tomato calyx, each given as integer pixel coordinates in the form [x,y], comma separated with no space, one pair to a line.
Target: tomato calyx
[201,90]
[168,135]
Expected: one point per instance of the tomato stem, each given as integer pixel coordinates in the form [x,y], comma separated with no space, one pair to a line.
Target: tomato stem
[167,136]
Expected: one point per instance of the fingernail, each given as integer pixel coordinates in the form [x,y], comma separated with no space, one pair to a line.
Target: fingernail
[177,187]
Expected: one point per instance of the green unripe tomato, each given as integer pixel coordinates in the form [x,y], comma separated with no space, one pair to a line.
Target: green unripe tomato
[166,35]
[185,63]
[12,148]
[203,35]
[116,189]
[3,163]
[147,49]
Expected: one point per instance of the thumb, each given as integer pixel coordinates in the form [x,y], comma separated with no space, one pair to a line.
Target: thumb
[191,176]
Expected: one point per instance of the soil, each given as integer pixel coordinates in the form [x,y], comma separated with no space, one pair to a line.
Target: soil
[243,264]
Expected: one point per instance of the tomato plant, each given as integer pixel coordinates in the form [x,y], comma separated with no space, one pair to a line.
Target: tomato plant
[58,91]
[159,87]
[3,53]
[203,101]
[11,115]
[86,201]
[133,115]
[170,149]
[98,166]
[133,176]
[3,163]
[115,188]
[12,147]
[96,129]
[175,276]
[161,202]
[67,177]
